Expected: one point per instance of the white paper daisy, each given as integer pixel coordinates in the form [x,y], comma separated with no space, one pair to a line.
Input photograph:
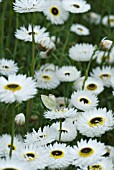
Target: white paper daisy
[86,153]
[17,88]
[46,79]
[13,164]
[84,100]
[76,6]
[42,137]
[95,122]
[80,29]
[54,12]
[104,74]
[60,155]
[36,157]
[5,142]
[8,67]
[81,52]
[94,85]
[67,73]
[108,20]
[92,17]
[26,34]
[25,6]
[68,131]
[60,113]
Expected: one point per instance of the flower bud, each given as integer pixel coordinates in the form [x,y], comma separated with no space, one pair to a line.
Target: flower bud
[20,119]
[106,44]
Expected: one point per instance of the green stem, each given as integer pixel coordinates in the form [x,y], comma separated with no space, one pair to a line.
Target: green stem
[28,112]
[16,41]
[60,131]
[33,48]
[88,67]
[12,129]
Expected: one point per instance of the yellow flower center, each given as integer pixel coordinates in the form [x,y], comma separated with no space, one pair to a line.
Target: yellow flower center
[107,154]
[9,169]
[96,121]
[80,29]
[91,87]
[46,78]
[105,76]
[76,5]
[54,11]
[84,100]
[67,74]
[30,156]
[86,152]
[95,167]
[57,154]
[12,87]
[14,147]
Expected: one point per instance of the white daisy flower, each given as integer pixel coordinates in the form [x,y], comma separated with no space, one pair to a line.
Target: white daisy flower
[108,57]
[36,157]
[95,122]
[102,164]
[8,67]
[25,6]
[46,79]
[54,12]
[13,164]
[81,52]
[67,73]
[60,155]
[26,34]
[92,17]
[94,85]
[17,88]
[104,74]
[61,103]
[86,153]
[76,6]
[79,29]
[68,131]
[60,113]
[5,142]
[84,100]
[108,20]
[42,137]
[46,43]
[48,67]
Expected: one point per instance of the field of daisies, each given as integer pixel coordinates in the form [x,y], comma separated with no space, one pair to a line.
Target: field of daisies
[56,85]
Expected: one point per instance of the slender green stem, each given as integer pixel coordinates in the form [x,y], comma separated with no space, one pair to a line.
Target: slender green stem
[28,112]
[12,128]
[33,48]
[60,130]
[88,67]
[16,41]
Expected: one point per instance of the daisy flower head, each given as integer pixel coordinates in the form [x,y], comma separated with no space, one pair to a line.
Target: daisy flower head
[5,142]
[108,20]
[8,67]
[60,113]
[46,79]
[13,164]
[54,12]
[104,74]
[26,6]
[108,57]
[35,157]
[101,164]
[94,85]
[68,131]
[80,29]
[76,6]
[48,67]
[84,100]
[60,155]
[42,137]
[92,17]
[81,52]
[67,73]
[17,88]
[109,153]
[86,153]
[95,122]
[26,34]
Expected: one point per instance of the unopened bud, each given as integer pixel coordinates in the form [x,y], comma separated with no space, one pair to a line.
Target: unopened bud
[20,119]
[106,44]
